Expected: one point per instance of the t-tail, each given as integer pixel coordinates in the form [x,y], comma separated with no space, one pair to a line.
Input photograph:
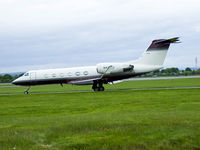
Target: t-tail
[156,52]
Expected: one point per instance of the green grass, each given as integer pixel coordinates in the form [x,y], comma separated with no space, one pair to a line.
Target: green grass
[138,120]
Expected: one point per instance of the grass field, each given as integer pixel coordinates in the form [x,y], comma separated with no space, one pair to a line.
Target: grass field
[138,120]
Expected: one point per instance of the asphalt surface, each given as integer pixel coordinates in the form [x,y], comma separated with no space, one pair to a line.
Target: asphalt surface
[131,79]
[163,78]
[85,91]
[7,86]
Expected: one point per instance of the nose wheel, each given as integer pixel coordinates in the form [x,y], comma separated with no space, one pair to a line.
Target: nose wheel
[26,92]
[98,86]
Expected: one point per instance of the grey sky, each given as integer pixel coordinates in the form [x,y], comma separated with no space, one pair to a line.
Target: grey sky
[38,34]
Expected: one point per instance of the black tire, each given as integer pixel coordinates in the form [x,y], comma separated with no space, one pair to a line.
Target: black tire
[96,89]
[26,92]
[101,88]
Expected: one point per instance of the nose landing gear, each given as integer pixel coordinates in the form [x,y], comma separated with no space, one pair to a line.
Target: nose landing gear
[26,92]
[98,86]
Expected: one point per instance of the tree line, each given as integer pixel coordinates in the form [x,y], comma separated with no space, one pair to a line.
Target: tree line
[7,78]
[173,72]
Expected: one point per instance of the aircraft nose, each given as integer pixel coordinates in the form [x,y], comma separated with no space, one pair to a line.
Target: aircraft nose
[20,81]
[14,82]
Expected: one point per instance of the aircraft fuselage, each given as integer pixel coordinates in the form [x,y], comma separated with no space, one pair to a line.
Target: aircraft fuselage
[152,59]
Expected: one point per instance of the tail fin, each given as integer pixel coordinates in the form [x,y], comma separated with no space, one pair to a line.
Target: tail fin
[156,52]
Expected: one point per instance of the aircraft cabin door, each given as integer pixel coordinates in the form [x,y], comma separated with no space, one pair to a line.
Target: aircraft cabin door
[32,75]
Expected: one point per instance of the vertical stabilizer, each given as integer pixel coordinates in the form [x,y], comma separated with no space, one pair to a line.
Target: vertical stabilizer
[156,52]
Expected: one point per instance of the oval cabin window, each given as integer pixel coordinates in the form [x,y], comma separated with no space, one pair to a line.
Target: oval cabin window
[62,75]
[45,75]
[77,73]
[85,73]
[69,74]
[53,75]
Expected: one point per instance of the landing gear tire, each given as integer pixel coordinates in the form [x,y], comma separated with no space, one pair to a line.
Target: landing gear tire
[26,92]
[101,88]
[96,89]
[98,86]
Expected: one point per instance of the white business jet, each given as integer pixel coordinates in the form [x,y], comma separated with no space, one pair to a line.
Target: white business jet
[103,73]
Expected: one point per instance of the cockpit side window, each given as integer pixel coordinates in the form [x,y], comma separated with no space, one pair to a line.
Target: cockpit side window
[26,74]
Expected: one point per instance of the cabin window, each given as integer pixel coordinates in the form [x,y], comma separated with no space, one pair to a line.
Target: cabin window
[62,75]
[69,74]
[77,73]
[53,75]
[85,73]
[26,74]
[46,75]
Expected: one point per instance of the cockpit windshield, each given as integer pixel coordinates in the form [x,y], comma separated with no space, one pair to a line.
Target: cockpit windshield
[26,74]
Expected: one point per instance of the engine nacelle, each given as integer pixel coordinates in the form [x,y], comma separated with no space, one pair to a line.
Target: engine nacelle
[109,68]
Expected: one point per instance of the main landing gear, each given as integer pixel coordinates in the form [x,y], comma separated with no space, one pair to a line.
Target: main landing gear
[98,86]
[26,92]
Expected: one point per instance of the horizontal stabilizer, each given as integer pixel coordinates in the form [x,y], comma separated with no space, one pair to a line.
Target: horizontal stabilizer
[172,40]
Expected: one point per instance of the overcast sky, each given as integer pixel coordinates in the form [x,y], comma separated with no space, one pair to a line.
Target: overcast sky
[38,34]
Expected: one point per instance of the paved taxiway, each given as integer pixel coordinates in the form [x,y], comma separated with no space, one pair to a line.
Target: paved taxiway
[84,91]
[7,86]
[163,78]
[132,79]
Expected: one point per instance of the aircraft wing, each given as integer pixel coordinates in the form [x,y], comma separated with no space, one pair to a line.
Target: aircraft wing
[84,81]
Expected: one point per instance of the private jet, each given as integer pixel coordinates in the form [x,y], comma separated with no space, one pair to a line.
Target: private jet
[103,73]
